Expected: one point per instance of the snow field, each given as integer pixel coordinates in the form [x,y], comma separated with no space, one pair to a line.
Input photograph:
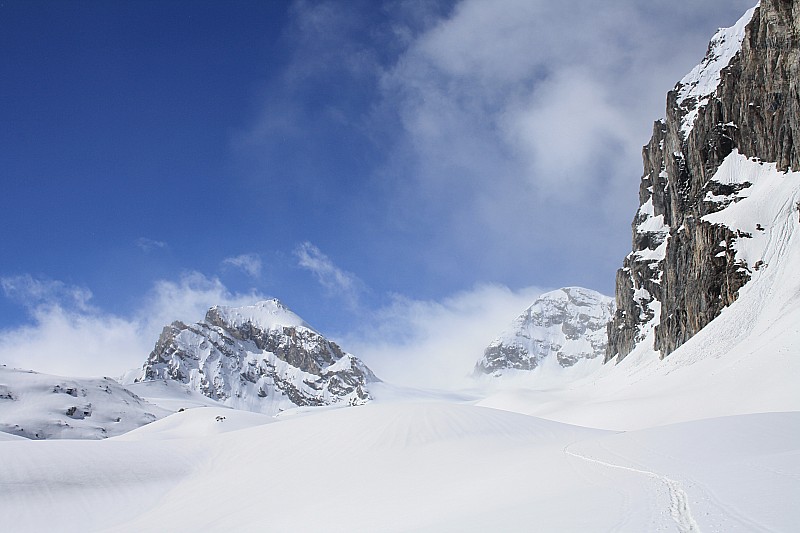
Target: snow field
[424,466]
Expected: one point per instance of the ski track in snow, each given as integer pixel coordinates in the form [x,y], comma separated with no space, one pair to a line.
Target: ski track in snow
[679,508]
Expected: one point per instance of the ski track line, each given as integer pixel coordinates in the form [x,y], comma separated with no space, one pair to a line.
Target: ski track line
[679,501]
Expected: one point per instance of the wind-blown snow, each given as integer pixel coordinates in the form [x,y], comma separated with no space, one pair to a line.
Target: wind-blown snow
[266,315]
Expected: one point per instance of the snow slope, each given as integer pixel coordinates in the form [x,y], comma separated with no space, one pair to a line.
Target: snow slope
[697,87]
[409,466]
[41,406]
[170,395]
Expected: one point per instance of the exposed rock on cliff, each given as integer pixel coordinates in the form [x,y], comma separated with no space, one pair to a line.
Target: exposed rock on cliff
[742,100]
[261,358]
[567,324]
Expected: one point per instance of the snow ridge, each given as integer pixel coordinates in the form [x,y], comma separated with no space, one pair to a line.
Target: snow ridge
[695,89]
[266,315]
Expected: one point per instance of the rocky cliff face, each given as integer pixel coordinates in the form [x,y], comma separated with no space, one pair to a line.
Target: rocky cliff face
[568,325]
[261,358]
[742,100]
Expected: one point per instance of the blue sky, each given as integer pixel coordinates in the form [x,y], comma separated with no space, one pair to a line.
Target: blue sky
[389,170]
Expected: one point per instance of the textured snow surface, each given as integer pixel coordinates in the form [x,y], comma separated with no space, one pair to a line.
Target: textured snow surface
[698,85]
[41,406]
[422,466]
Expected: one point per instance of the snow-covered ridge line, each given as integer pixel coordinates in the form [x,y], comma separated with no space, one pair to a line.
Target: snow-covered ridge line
[695,89]
[266,315]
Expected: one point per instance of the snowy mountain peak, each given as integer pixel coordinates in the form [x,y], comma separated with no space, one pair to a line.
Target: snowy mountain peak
[567,325]
[261,358]
[265,315]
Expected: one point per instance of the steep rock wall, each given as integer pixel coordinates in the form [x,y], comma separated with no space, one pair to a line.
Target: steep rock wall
[682,271]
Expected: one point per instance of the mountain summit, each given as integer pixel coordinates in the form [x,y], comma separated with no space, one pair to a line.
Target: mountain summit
[261,357]
[567,324]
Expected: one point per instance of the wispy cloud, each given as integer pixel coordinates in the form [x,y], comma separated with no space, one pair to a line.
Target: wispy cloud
[335,280]
[428,343]
[512,127]
[249,263]
[36,292]
[148,245]
[436,343]
[68,336]
[529,117]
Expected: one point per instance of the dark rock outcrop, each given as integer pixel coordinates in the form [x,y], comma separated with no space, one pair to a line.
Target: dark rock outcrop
[744,96]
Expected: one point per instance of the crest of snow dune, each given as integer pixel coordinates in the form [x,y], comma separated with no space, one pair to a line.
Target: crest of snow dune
[699,85]
[567,325]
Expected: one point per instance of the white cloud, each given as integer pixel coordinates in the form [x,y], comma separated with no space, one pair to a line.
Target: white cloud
[76,340]
[148,245]
[435,344]
[335,280]
[33,293]
[73,343]
[531,114]
[249,263]
[413,342]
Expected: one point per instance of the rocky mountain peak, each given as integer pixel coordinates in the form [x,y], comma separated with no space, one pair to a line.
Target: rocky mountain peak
[567,324]
[261,358]
[264,315]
